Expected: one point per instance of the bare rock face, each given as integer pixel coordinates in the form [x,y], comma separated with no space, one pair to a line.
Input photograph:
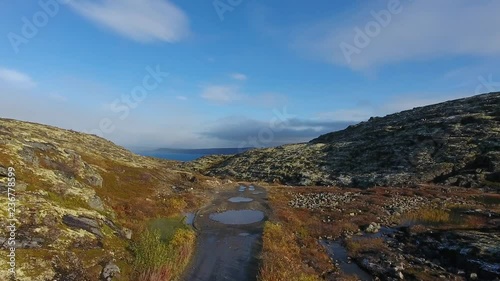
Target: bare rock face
[452,143]
[87,224]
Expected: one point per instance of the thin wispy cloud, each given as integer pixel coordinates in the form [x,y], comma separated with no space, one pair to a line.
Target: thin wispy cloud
[143,21]
[221,94]
[232,94]
[422,30]
[239,76]
[16,78]
[181,98]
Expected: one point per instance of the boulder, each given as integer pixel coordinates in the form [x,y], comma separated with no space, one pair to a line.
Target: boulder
[84,223]
[109,271]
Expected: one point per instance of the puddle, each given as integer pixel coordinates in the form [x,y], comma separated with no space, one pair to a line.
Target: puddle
[339,253]
[251,188]
[238,217]
[189,218]
[244,234]
[242,188]
[257,192]
[240,199]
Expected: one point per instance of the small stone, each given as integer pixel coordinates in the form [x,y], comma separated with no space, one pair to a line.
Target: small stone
[473,276]
[109,271]
[127,233]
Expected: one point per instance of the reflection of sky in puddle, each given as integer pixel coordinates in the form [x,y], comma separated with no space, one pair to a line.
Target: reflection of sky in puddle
[189,218]
[240,199]
[257,192]
[242,188]
[251,188]
[238,217]
[339,253]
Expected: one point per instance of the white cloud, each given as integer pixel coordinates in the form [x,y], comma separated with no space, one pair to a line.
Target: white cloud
[226,94]
[221,93]
[15,78]
[143,21]
[239,76]
[422,30]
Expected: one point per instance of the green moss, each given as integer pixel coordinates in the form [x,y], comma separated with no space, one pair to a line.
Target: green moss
[69,202]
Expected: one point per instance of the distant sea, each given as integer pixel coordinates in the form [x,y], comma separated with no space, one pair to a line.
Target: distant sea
[188,154]
[172,156]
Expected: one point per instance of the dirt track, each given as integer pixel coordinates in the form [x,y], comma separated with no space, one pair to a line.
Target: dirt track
[228,251]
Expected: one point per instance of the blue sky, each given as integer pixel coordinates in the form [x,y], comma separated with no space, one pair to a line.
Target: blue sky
[246,72]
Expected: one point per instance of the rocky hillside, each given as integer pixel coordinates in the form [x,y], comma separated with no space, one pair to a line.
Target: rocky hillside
[452,143]
[80,201]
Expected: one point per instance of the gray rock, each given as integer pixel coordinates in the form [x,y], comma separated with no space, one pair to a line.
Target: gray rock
[96,203]
[127,233]
[84,223]
[372,227]
[110,271]
[95,180]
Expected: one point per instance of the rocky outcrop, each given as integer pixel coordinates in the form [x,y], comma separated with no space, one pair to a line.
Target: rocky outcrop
[78,193]
[87,224]
[452,143]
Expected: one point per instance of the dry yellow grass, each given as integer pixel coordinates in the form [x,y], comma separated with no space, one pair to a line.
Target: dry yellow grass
[356,246]
[281,257]
[430,216]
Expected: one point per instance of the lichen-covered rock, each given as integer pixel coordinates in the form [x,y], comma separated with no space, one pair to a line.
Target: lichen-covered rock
[109,271]
[453,143]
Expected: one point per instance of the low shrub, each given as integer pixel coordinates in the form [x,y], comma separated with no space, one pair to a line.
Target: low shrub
[156,259]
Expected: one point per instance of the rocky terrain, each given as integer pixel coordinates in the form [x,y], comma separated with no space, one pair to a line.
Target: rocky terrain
[80,201]
[424,233]
[452,143]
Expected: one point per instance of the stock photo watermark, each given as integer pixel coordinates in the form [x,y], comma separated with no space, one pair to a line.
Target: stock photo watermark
[122,106]
[364,36]
[486,84]
[223,6]
[266,135]
[11,221]
[32,25]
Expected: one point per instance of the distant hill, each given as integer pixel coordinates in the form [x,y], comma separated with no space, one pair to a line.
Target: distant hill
[453,143]
[206,151]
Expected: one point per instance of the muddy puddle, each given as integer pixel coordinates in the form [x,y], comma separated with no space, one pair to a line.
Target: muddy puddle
[238,217]
[189,218]
[240,199]
[338,252]
[229,240]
